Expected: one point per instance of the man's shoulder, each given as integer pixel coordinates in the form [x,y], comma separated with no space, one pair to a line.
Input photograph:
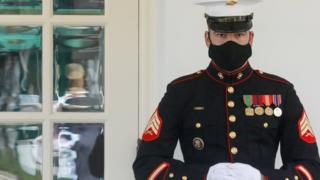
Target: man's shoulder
[272,77]
[187,79]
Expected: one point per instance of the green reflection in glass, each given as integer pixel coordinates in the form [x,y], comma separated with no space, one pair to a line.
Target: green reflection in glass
[20,68]
[21,151]
[80,7]
[20,6]
[79,68]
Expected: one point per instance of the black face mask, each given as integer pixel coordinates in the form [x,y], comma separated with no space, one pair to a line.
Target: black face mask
[230,55]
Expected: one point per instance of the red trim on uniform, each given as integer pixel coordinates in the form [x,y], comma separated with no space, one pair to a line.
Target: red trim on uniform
[155,173]
[304,128]
[153,129]
[266,178]
[230,73]
[303,170]
[165,173]
[213,78]
[243,80]
[270,78]
[190,77]
[229,84]
[228,128]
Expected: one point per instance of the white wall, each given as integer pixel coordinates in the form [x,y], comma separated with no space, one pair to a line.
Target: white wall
[287,37]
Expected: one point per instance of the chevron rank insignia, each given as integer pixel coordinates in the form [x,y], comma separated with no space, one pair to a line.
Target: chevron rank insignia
[152,131]
[305,131]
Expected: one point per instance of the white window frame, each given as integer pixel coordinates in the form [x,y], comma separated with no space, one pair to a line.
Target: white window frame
[120,118]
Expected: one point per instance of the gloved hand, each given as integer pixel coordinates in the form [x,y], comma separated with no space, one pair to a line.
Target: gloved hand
[233,171]
[221,171]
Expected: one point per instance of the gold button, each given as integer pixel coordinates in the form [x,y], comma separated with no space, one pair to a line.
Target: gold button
[184,178]
[231,2]
[198,125]
[266,125]
[220,75]
[239,76]
[286,179]
[231,104]
[234,150]
[232,118]
[296,178]
[230,89]
[232,134]
[171,175]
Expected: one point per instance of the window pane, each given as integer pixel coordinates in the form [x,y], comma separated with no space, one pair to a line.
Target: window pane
[20,6]
[20,68]
[79,69]
[85,7]
[78,151]
[21,151]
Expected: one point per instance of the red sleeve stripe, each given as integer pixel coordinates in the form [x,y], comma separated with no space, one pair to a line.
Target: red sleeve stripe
[304,172]
[158,170]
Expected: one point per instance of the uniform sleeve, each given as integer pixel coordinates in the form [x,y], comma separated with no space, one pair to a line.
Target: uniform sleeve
[96,157]
[299,151]
[155,152]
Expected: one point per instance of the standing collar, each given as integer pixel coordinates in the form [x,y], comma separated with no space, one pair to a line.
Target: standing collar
[229,78]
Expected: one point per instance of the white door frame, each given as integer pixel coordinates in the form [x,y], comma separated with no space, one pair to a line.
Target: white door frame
[147,61]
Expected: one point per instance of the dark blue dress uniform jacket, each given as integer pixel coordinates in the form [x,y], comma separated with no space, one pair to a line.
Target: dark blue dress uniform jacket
[196,110]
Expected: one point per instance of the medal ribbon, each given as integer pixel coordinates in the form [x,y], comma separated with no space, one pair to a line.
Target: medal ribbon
[262,100]
[268,100]
[247,99]
[255,100]
[277,99]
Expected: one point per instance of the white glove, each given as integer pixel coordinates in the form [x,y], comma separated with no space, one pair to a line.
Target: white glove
[220,171]
[233,171]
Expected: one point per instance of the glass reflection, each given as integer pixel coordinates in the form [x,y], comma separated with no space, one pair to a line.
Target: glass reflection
[20,6]
[78,69]
[73,144]
[20,68]
[81,7]
[21,152]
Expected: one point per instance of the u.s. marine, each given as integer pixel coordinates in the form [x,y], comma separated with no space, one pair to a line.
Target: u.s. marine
[229,118]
